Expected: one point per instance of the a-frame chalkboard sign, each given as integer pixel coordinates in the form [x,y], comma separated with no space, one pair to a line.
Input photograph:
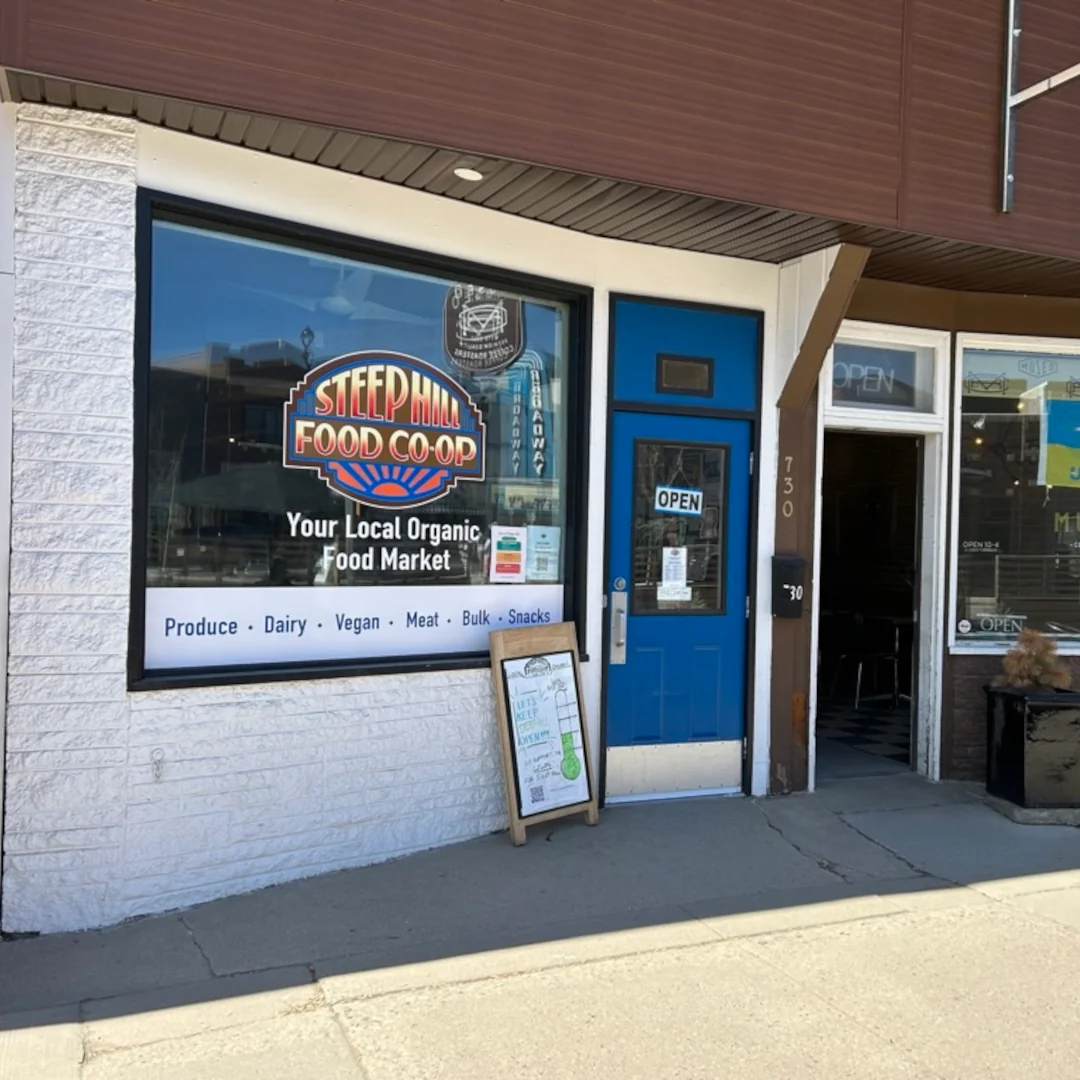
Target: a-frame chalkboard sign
[545,745]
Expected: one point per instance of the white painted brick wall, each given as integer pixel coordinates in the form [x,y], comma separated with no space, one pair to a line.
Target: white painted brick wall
[257,784]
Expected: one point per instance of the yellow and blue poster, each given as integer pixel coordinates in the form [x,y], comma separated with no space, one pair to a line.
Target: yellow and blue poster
[1059,457]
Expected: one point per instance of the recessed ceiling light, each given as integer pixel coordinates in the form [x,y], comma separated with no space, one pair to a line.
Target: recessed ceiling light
[465,173]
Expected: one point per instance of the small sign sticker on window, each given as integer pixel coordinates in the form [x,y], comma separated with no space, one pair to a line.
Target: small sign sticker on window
[674,586]
[673,500]
[509,550]
[674,593]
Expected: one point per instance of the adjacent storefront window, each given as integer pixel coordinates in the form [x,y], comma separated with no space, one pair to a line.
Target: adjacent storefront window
[346,461]
[1018,536]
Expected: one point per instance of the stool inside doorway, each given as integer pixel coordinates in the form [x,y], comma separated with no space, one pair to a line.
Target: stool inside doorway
[869,643]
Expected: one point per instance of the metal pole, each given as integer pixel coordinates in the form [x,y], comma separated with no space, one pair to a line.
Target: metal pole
[1008,116]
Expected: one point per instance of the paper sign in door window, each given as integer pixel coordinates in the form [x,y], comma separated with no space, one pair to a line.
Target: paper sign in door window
[673,584]
[673,500]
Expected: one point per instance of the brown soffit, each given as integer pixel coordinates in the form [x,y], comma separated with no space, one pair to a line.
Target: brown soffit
[596,205]
[831,309]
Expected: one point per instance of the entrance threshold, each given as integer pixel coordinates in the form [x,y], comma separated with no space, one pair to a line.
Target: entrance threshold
[666,796]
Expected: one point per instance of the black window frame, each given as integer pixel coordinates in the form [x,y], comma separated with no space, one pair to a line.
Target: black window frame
[151,206]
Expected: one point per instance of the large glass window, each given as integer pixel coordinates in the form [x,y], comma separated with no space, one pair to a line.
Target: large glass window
[345,460]
[1018,560]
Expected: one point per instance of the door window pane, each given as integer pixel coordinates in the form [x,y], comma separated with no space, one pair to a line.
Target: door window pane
[1018,562]
[678,542]
[876,377]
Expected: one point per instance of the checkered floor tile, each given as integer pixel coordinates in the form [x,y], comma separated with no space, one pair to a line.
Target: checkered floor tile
[885,732]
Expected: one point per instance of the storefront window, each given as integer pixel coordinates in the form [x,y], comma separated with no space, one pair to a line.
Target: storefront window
[1018,561]
[345,460]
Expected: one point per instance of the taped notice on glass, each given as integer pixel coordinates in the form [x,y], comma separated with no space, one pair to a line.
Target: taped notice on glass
[673,585]
[508,553]
[546,732]
[542,550]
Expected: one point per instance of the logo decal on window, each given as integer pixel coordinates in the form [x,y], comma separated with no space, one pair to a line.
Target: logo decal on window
[483,330]
[978,384]
[1038,366]
[384,429]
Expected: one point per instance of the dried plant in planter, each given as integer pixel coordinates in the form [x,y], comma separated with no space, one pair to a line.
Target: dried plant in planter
[1033,664]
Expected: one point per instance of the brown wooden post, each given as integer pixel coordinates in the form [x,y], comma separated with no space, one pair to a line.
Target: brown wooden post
[796,498]
[797,446]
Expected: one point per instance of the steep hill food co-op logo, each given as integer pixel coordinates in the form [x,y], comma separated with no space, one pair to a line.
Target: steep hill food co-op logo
[384,429]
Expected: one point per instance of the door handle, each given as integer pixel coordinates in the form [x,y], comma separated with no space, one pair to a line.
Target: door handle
[617,652]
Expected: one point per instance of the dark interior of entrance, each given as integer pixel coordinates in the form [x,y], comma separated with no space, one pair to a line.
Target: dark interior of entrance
[868,598]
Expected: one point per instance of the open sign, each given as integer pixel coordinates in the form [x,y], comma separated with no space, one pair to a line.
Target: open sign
[672,500]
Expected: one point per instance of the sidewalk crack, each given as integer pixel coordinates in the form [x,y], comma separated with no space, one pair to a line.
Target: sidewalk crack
[918,871]
[354,1050]
[198,946]
[825,864]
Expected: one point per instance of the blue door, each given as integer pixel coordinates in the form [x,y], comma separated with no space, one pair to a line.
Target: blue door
[678,547]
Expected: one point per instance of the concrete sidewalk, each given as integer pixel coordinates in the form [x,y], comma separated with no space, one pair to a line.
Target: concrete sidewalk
[880,928]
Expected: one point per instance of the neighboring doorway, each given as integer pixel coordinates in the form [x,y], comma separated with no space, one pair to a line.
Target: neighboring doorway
[685,384]
[868,604]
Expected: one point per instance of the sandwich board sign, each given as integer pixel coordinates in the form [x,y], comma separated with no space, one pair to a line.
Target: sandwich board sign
[545,747]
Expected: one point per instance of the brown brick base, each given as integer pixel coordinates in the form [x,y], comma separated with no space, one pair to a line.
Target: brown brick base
[963,721]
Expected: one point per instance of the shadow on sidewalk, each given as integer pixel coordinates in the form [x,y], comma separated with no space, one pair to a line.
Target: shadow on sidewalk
[683,871]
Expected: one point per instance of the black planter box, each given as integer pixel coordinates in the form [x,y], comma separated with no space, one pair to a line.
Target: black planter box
[1033,747]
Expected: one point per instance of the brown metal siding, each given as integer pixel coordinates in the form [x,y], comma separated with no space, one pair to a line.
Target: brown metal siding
[953,126]
[12,29]
[883,112]
[779,102]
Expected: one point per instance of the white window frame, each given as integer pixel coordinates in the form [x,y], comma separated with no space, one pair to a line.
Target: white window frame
[934,517]
[875,335]
[1002,343]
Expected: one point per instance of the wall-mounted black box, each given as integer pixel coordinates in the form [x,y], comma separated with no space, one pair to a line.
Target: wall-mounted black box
[788,586]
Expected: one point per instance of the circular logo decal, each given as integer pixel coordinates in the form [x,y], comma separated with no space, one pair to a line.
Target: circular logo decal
[483,330]
[964,626]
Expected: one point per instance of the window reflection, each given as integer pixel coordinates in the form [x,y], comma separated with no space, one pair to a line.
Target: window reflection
[236,323]
[1019,525]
